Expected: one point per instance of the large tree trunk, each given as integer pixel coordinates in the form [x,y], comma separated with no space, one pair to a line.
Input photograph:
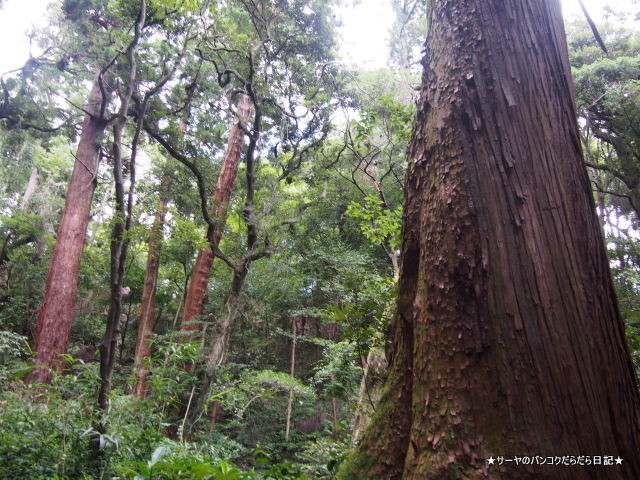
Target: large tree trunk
[148,304]
[58,304]
[508,339]
[197,291]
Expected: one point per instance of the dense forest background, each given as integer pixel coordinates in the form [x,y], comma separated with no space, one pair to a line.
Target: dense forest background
[233,196]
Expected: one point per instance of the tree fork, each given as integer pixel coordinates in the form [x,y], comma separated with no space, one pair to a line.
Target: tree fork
[508,339]
[197,290]
[123,216]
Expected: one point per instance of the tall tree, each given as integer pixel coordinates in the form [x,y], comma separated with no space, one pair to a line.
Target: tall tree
[57,310]
[608,100]
[148,303]
[197,290]
[122,211]
[508,337]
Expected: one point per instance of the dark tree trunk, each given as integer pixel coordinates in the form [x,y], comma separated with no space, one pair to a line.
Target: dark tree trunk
[508,339]
[123,213]
[148,305]
[197,290]
[58,304]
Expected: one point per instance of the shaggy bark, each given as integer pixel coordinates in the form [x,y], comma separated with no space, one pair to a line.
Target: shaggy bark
[58,304]
[508,339]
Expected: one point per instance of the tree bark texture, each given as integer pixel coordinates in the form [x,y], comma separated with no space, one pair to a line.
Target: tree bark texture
[197,291]
[148,304]
[508,339]
[58,304]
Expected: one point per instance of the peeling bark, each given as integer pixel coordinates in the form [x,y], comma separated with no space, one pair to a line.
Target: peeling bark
[197,290]
[57,310]
[508,339]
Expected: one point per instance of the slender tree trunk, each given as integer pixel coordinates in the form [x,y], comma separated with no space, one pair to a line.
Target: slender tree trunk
[197,291]
[294,342]
[123,213]
[123,333]
[32,186]
[370,390]
[58,304]
[508,340]
[334,411]
[185,288]
[147,307]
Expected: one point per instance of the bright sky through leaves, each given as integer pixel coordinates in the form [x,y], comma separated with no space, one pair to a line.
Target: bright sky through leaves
[364,33]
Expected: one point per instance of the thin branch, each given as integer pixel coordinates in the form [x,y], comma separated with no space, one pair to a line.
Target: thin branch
[594,29]
[190,165]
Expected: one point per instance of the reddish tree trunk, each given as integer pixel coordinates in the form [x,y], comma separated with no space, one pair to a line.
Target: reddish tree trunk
[148,305]
[508,340]
[197,291]
[58,304]
[220,342]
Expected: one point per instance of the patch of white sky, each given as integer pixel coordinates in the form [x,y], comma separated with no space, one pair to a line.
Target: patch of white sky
[366,26]
[364,33]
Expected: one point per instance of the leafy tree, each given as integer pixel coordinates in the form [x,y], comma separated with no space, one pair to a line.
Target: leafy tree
[608,101]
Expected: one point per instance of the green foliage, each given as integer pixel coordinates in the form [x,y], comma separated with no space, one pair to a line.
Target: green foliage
[625,255]
[185,468]
[13,349]
[337,374]
[320,459]
[366,313]
[378,224]
[165,465]
[239,393]
[169,379]
[330,209]
[42,440]
[608,100]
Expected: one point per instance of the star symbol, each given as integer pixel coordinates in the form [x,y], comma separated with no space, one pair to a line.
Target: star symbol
[491,460]
[618,461]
